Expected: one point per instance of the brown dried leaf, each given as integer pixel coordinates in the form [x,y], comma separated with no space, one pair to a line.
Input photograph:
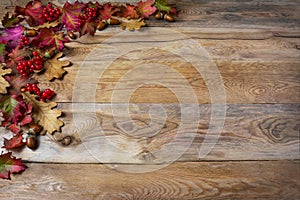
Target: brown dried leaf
[54,67]
[131,24]
[43,113]
[3,83]
[47,25]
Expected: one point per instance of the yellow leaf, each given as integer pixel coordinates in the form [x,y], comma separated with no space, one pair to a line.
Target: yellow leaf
[3,83]
[54,67]
[131,24]
[46,25]
[43,113]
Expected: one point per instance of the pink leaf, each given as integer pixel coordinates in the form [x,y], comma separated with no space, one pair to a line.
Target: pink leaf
[146,8]
[70,15]
[9,164]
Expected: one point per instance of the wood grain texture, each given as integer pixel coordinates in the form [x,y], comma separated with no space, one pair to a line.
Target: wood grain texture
[250,132]
[212,180]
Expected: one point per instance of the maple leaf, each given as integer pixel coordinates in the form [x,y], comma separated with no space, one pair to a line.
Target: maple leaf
[131,24]
[88,27]
[14,142]
[2,51]
[9,164]
[43,113]
[145,8]
[70,15]
[3,83]
[163,5]
[54,67]
[129,11]
[16,56]
[15,112]
[108,11]
[48,38]
[32,12]
[12,36]
[9,21]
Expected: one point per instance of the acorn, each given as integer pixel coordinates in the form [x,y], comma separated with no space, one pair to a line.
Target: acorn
[169,18]
[30,33]
[66,140]
[50,53]
[114,21]
[23,89]
[71,35]
[31,142]
[159,15]
[101,25]
[36,128]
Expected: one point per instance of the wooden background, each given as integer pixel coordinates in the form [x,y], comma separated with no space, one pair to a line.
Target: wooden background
[255,45]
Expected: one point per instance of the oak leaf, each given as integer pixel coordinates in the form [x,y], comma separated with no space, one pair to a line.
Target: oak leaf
[9,164]
[43,114]
[54,67]
[3,83]
[47,25]
[163,5]
[131,24]
[9,21]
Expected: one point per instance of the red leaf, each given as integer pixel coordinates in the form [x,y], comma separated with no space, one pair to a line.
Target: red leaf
[16,56]
[146,8]
[9,164]
[107,11]
[14,142]
[70,15]
[88,27]
[48,38]
[129,11]
[12,36]
[32,13]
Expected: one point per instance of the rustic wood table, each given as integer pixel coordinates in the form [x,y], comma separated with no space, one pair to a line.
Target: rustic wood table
[255,46]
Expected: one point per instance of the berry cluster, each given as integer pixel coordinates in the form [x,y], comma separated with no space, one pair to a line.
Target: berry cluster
[27,67]
[23,41]
[88,14]
[47,94]
[50,13]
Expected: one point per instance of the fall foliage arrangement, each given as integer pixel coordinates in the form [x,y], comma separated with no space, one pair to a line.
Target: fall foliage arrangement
[31,43]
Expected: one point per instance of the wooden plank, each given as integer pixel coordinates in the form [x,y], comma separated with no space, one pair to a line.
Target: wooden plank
[250,132]
[204,180]
[281,17]
[245,81]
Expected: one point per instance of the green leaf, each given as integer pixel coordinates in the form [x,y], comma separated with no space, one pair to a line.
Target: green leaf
[9,164]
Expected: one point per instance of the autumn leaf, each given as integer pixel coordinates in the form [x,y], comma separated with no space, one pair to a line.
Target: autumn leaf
[2,51]
[48,38]
[70,15]
[3,83]
[32,12]
[108,11]
[54,67]
[9,21]
[88,27]
[145,8]
[14,142]
[131,24]
[12,36]
[43,113]
[163,5]
[47,25]
[15,113]
[9,164]
[129,11]
[16,56]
